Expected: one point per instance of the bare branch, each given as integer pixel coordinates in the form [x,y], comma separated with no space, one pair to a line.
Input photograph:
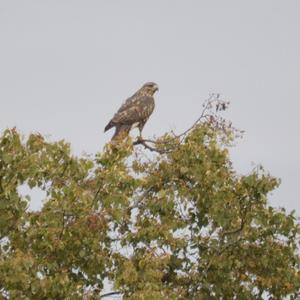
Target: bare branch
[109,294]
[207,114]
[206,106]
[143,142]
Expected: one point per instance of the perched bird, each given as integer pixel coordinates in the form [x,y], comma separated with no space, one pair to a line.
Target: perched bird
[134,112]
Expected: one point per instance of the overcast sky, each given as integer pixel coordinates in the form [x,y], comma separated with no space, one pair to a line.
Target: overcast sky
[66,66]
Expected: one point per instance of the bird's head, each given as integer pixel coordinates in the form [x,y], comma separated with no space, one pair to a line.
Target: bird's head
[150,88]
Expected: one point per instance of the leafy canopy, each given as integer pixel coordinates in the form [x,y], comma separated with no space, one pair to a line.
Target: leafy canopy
[178,223]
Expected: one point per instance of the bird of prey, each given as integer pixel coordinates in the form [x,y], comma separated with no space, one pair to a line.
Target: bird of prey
[134,112]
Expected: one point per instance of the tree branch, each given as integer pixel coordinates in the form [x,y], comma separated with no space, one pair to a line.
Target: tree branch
[63,226]
[143,142]
[110,294]
[206,106]
[235,230]
[207,114]
[218,253]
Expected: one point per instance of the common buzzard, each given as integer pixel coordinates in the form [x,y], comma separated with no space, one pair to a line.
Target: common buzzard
[134,112]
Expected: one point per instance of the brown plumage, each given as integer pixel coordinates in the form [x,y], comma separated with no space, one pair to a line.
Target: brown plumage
[134,112]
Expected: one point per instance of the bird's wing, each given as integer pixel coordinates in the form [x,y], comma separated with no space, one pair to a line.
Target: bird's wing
[131,101]
[119,115]
[129,116]
[134,110]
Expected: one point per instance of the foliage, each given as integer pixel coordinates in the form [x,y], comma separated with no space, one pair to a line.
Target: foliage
[178,224]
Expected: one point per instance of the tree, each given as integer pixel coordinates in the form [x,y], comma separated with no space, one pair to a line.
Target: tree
[178,223]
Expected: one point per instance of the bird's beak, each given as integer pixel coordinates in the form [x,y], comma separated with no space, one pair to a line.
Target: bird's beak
[156,88]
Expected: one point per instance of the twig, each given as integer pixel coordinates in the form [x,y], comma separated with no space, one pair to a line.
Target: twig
[218,253]
[144,143]
[206,113]
[148,141]
[243,214]
[141,197]
[96,195]
[203,114]
[63,226]
[235,230]
[110,294]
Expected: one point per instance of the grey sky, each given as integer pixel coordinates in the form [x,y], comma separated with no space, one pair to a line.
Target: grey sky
[66,66]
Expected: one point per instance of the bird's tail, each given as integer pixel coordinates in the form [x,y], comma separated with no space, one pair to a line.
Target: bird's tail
[109,125]
[121,132]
